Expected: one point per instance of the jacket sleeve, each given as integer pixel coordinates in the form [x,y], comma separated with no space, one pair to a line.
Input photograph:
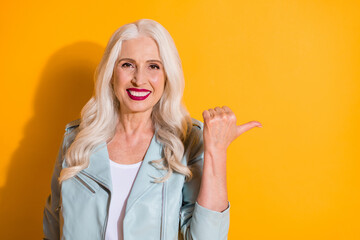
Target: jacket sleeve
[196,221]
[51,229]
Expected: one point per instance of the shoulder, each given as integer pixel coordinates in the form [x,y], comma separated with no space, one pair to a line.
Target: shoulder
[71,130]
[196,131]
[197,124]
[72,125]
[195,135]
[194,145]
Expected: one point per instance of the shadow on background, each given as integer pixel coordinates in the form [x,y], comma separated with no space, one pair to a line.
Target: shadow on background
[66,84]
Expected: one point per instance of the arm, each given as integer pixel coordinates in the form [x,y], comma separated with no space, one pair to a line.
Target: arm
[196,221]
[220,130]
[51,224]
[209,216]
[51,227]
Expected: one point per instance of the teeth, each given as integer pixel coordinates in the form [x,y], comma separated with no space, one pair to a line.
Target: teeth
[138,94]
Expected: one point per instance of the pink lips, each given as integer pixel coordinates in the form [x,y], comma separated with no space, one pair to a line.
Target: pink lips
[138,98]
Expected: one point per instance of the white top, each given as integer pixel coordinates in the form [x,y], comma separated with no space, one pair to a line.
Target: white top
[122,176]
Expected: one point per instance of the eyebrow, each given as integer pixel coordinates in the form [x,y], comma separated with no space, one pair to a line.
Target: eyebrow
[132,60]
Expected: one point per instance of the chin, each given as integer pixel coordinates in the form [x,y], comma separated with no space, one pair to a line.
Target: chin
[138,109]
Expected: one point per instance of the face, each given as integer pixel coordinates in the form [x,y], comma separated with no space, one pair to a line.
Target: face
[139,76]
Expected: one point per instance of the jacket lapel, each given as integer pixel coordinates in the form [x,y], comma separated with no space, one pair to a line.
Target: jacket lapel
[147,173]
[99,166]
[99,170]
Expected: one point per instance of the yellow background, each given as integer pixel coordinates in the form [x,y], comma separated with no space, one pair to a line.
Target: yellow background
[291,65]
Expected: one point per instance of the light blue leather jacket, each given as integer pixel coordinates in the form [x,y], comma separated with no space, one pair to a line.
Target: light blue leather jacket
[78,209]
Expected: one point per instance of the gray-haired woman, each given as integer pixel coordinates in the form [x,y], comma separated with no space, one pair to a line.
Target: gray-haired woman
[136,165]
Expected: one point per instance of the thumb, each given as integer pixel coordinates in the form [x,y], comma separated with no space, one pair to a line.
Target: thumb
[246,126]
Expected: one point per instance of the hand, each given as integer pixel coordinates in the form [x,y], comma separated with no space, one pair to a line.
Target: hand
[220,128]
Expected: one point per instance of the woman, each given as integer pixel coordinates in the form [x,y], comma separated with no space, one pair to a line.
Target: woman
[136,165]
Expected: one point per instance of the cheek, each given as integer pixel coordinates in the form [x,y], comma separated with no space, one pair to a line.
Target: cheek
[158,81]
[122,77]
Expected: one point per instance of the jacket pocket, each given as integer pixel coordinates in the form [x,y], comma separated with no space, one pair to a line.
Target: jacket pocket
[84,184]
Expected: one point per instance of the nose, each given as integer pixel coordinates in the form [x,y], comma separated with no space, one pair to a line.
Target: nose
[139,76]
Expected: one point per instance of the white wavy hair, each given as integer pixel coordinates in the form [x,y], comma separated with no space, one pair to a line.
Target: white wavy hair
[99,116]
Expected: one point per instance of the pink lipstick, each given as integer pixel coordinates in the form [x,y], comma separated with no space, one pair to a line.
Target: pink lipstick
[138,94]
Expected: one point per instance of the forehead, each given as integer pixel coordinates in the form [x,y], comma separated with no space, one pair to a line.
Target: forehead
[139,48]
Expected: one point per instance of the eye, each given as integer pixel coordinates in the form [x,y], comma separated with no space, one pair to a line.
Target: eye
[154,66]
[125,65]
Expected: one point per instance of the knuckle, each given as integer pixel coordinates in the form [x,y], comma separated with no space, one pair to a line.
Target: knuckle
[205,113]
[211,121]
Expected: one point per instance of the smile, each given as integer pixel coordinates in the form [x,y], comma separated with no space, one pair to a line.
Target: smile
[138,94]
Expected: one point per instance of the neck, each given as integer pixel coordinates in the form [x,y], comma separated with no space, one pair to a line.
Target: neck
[137,123]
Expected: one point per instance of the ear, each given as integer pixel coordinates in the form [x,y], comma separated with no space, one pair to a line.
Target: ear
[166,80]
[112,80]
[112,84]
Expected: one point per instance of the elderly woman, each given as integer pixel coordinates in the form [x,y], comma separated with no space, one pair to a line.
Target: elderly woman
[136,165]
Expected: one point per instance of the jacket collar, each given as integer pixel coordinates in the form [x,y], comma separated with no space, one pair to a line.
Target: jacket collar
[99,169]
